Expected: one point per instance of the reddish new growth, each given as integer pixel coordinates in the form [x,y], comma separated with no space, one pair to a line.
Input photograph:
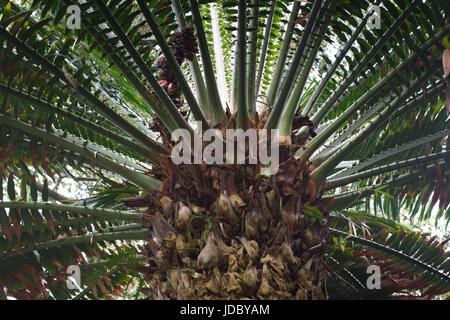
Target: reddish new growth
[185,47]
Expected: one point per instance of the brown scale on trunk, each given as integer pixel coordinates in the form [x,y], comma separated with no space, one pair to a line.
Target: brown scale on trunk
[223,231]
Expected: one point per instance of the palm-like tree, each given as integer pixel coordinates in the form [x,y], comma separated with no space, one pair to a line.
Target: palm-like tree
[98,103]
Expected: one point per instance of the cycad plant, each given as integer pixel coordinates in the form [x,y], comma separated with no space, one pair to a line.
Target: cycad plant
[357,90]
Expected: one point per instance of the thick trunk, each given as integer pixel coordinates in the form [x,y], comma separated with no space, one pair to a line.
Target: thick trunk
[222,232]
